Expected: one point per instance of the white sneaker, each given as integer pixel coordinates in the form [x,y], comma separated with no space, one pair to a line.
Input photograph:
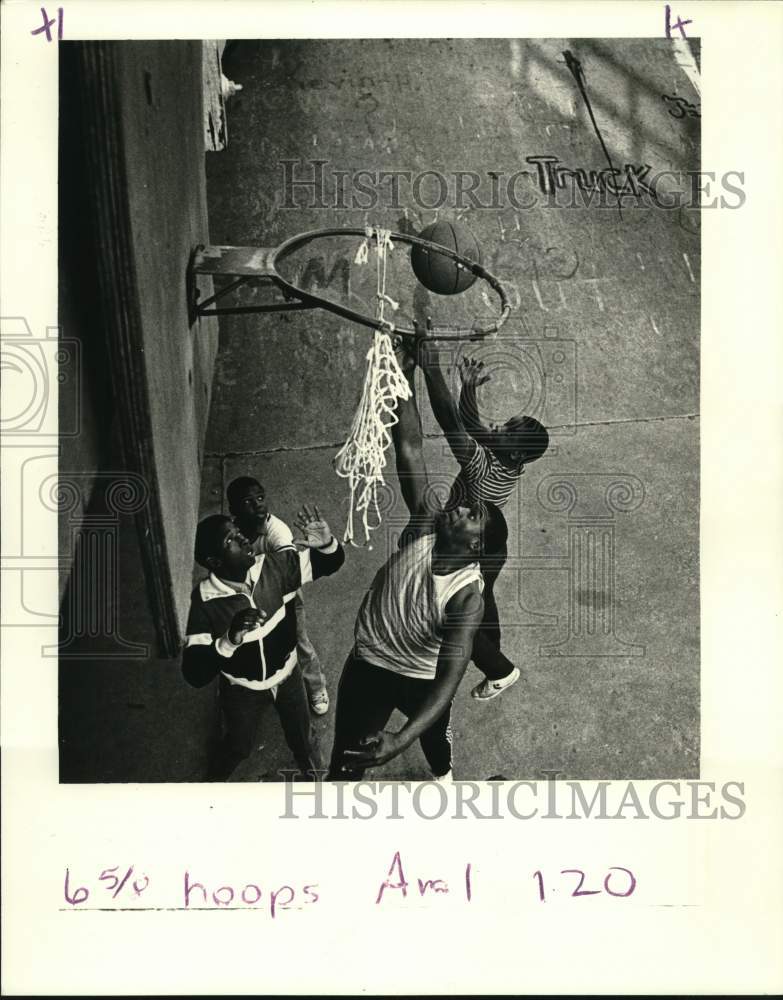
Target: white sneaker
[491,689]
[320,704]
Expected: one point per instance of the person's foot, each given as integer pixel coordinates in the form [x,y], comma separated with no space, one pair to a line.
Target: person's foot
[491,689]
[443,779]
[320,703]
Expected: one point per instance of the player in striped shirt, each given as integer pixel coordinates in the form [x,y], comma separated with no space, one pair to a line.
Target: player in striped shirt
[492,460]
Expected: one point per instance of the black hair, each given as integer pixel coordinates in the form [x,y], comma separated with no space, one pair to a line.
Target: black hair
[209,537]
[237,487]
[528,436]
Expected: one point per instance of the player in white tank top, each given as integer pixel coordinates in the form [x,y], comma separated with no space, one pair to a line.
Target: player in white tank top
[415,629]
[401,620]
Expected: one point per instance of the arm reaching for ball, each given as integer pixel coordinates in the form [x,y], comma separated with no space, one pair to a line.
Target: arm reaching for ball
[407,438]
[472,375]
[443,406]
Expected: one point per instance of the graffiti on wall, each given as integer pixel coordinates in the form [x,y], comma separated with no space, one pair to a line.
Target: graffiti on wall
[680,108]
[552,175]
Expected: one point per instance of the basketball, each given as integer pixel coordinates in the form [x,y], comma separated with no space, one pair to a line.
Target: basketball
[436,271]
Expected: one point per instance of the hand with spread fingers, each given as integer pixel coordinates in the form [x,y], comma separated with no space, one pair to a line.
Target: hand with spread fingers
[472,372]
[375,750]
[317,532]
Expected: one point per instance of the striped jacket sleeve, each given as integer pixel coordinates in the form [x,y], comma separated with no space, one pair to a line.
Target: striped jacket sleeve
[202,659]
[314,563]
[300,567]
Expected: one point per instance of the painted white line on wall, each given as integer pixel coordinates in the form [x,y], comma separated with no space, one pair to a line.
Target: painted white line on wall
[538,295]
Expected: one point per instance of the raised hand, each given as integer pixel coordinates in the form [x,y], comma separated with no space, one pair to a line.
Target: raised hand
[317,532]
[244,621]
[472,373]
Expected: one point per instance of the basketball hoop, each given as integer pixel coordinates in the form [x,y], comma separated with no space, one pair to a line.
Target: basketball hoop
[246,264]
[362,459]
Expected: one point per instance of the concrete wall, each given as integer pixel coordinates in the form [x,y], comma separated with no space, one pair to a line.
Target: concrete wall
[132,206]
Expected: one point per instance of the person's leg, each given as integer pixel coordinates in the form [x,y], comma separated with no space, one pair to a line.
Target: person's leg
[486,646]
[241,710]
[490,660]
[364,703]
[309,663]
[490,623]
[294,711]
[436,741]
[498,670]
[492,562]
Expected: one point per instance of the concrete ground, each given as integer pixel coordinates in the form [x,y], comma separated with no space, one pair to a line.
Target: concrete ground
[600,600]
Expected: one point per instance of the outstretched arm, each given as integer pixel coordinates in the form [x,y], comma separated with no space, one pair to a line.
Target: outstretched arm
[463,616]
[407,438]
[472,375]
[442,403]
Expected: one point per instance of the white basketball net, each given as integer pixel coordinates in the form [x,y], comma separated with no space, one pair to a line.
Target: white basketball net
[362,458]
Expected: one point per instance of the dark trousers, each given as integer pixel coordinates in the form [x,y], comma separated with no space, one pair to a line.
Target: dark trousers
[486,645]
[366,697]
[242,709]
